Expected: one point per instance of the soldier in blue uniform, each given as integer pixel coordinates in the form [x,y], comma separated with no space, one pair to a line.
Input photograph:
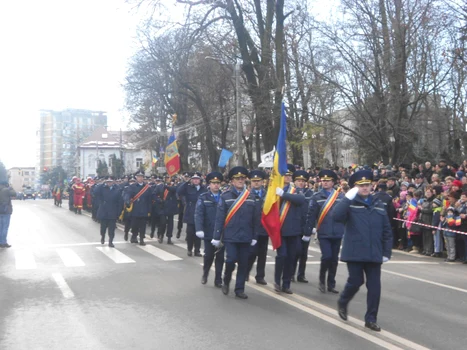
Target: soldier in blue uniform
[330,231]
[190,191]
[169,207]
[237,222]
[205,217]
[300,178]
[367,244]
[181,205]
[140,196]
[126,218]
[110,200]
[156,206]
[260,249]
[293,227]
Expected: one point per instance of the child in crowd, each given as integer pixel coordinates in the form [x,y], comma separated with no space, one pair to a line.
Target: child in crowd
[438,242]
[452,221]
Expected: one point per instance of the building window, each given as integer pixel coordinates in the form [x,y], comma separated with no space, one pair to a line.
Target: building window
[26,173]
[139,162]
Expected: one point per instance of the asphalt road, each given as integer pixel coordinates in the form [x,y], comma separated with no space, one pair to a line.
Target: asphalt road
[60,289]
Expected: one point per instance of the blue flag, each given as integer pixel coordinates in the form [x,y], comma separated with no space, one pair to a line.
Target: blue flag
[224,158]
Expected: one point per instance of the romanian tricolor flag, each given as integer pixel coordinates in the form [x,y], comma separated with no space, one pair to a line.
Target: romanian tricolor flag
[271,217]
[172,157]
[154,160]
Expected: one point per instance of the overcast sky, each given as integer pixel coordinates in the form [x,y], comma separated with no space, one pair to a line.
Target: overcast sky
[58,54]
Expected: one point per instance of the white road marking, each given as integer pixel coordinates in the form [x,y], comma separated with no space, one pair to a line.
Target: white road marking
[114,254]
[61,283]
[69,257]
[390,262]
[25,259]
[181,245]
[426,281]
[159,253]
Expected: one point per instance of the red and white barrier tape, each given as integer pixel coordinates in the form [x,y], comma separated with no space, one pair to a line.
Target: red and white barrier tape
[431,226]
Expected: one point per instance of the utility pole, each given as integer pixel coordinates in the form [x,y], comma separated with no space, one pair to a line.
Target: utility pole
[239,120]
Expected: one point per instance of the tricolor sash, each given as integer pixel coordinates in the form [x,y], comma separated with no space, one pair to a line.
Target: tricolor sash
[286,205]
[236,205]
[166,193]
[327,206]
[140,193]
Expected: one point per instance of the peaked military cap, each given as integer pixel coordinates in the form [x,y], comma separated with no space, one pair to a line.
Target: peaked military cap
[186,173]
[109,178]
[290,169]
[214,177]
[361,177]
[158,178]
[257,175]
[300,175]
[327,175]
[196,175]
[132,179]
[238,171]
[139,173]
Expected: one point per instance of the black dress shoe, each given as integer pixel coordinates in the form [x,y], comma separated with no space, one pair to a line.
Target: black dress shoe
[134,240]
[322,288]
[225,289]
[198,254]
[287,290]
[218,284]
[169,241]
[373,326]
[189,253]
[125,236]
[277,288]
[160,240]
[241,296]
[151,235]
[111,245]
[102,240]
[204,279]
[302,280]
[262,282]
[333,290]
[142,243]
[178,234]
[342,310]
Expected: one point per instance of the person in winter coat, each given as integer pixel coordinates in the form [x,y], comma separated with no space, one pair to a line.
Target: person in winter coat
[367,244]
[6,209]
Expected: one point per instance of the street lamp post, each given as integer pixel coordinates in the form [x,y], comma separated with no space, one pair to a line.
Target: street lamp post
[237,108]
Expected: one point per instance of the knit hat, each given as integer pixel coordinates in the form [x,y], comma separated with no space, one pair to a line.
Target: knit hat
[460,174]
[437,201]
[457,183]
[405,183]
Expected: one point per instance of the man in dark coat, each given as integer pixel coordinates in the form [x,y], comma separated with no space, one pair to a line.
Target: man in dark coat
[110,200]
[6,209]
[169,207]
[237,222]
[367,244]
[190,192]
[205,218]
[260,249]
[140,199]
[330,232]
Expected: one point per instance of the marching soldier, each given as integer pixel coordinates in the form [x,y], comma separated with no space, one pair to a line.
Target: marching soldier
[320,220]
[191,191]
[237,222]
[292,227]
[126,215]
[181,205]
[367,244]
[300,178]
[95,202]
[140,200]
[156,205]
[78,194]
[111,203]
[260,249]
[168,193]
[205,217]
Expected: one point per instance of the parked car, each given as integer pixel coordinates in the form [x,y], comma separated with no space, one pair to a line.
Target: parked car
[29,193]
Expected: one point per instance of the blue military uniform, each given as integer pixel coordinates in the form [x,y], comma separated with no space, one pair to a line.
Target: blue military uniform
[156,210]
[205,218]
[302,253]
[292,229]
[329,233]
[110,206]
[126,214]
[190,195]
[260,249]
[169,207]
[238,234]
[367,243]
[141,211]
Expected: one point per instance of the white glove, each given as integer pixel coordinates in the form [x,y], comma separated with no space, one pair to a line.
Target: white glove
[279,191]
[253,242]
[200,234]
[306,239]
[314,231]
[216,243]
[352,193]
[385,259]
